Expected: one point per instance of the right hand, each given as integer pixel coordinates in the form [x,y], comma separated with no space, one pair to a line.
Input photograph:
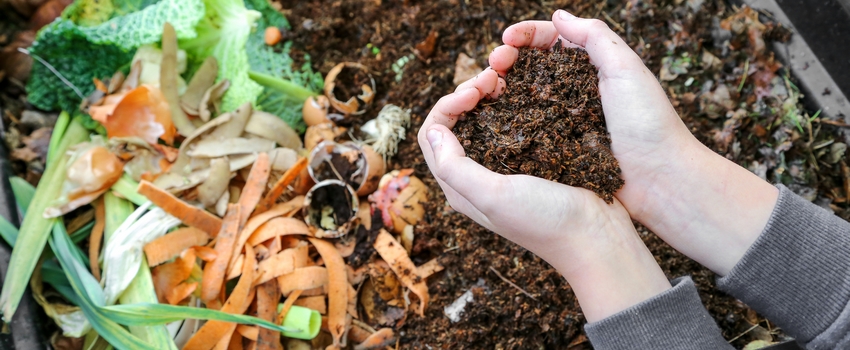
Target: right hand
[645,130]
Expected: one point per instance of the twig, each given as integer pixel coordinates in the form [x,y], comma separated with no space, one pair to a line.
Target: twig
[744,78]
[52,69]
[742,334]
[512,284]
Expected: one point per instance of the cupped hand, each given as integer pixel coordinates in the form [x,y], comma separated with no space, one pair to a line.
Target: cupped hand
[593,244]
[703,205]
[646,131]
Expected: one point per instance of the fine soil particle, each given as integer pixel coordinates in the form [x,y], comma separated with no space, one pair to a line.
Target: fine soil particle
[548,123]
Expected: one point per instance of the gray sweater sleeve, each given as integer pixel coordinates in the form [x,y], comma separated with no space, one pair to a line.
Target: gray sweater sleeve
[797,273]
[675,319]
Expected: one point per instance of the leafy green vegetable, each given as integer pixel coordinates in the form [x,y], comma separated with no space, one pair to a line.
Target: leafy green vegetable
[79,53]
[62,45]
[223,33]
[145,27]
[94,12]
[271,17]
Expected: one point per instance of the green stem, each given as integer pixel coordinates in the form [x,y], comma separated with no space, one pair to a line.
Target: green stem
[58,132]
[126,187]
[35,230]
[284,86]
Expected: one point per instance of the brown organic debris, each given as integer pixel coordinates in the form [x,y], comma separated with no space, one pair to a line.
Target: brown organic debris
[548,123]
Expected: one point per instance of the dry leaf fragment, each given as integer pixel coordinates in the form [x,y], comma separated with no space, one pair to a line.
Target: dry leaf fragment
[465,68]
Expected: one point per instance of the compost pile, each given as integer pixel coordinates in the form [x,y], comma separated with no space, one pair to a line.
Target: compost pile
[548,123]
[710,58]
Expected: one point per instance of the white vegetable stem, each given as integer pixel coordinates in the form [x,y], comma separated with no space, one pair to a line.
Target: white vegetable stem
[123,252]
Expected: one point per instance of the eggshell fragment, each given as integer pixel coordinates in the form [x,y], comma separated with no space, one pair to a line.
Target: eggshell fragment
[320,132]
[359,166]
[331,206]
[315,110]
[354,105]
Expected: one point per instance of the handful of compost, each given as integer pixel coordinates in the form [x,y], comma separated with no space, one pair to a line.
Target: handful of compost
[548,123]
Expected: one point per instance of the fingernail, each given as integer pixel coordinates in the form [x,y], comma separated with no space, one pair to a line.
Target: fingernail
[564,15]
[435,138]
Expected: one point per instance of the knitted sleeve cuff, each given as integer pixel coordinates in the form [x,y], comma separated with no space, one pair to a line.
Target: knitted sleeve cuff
[675,319]
[797,273]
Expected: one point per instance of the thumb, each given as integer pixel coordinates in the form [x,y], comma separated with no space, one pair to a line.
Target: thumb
[467,178]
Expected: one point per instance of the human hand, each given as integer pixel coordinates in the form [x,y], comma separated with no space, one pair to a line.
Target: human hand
[593,244]
[703,205]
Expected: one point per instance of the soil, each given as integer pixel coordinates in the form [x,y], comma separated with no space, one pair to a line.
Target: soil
[349,83]
[431,35]
[547,123]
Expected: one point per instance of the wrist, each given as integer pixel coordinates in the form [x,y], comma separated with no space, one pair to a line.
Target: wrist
[614,272]
[708,207]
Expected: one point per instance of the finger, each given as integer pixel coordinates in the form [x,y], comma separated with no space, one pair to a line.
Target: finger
[502,58]
[606,49]
[539,34]
[485,82]
[501,86]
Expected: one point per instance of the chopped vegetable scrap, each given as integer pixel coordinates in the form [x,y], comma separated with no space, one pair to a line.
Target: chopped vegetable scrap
[208,202]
